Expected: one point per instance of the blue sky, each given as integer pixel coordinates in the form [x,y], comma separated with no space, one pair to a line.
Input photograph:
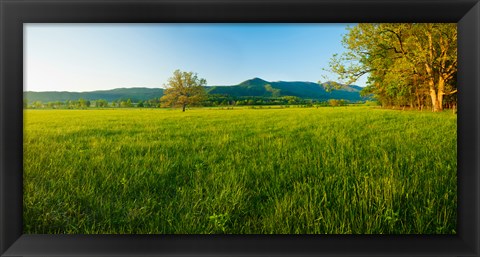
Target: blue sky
[87,57]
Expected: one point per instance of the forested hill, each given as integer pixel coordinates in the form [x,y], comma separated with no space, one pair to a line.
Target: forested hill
[255,87]
[134,94]
[305,90]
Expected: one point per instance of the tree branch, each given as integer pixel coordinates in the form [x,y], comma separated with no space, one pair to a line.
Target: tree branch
[451,92]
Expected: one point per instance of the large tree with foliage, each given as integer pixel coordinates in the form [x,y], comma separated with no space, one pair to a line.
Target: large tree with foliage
[183,89]
[408,64]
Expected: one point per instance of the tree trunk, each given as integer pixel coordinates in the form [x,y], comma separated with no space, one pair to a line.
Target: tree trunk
[183,107]
[437,98]
[441,92]
[433,96]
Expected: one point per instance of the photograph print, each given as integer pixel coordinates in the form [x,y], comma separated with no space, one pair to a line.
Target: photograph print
[241,128]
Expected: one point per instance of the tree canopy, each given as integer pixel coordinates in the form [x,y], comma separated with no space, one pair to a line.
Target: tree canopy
[183,89]
[408,64]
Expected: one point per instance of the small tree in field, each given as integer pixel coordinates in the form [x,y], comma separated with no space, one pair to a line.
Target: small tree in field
[182,89]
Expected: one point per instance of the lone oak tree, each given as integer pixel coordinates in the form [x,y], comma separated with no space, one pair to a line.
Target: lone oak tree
[182,89]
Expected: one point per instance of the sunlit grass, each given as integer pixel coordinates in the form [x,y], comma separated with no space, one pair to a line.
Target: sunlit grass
[296,170]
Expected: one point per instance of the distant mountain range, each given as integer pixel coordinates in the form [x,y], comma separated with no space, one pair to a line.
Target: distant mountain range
[135,94]
[305,90]
[255,87]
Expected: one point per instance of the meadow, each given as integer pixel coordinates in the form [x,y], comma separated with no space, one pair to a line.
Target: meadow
[342,170]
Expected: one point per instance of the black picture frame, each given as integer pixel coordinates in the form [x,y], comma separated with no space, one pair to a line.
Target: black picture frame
[13,13]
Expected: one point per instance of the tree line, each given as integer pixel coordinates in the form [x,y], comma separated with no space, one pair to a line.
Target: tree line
[226,100]
[407,64]
[83,104]
[211,101]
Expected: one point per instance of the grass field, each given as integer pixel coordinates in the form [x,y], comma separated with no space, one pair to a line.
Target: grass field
[345,170]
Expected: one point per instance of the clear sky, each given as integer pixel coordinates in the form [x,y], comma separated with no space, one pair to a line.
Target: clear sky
[87,57]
